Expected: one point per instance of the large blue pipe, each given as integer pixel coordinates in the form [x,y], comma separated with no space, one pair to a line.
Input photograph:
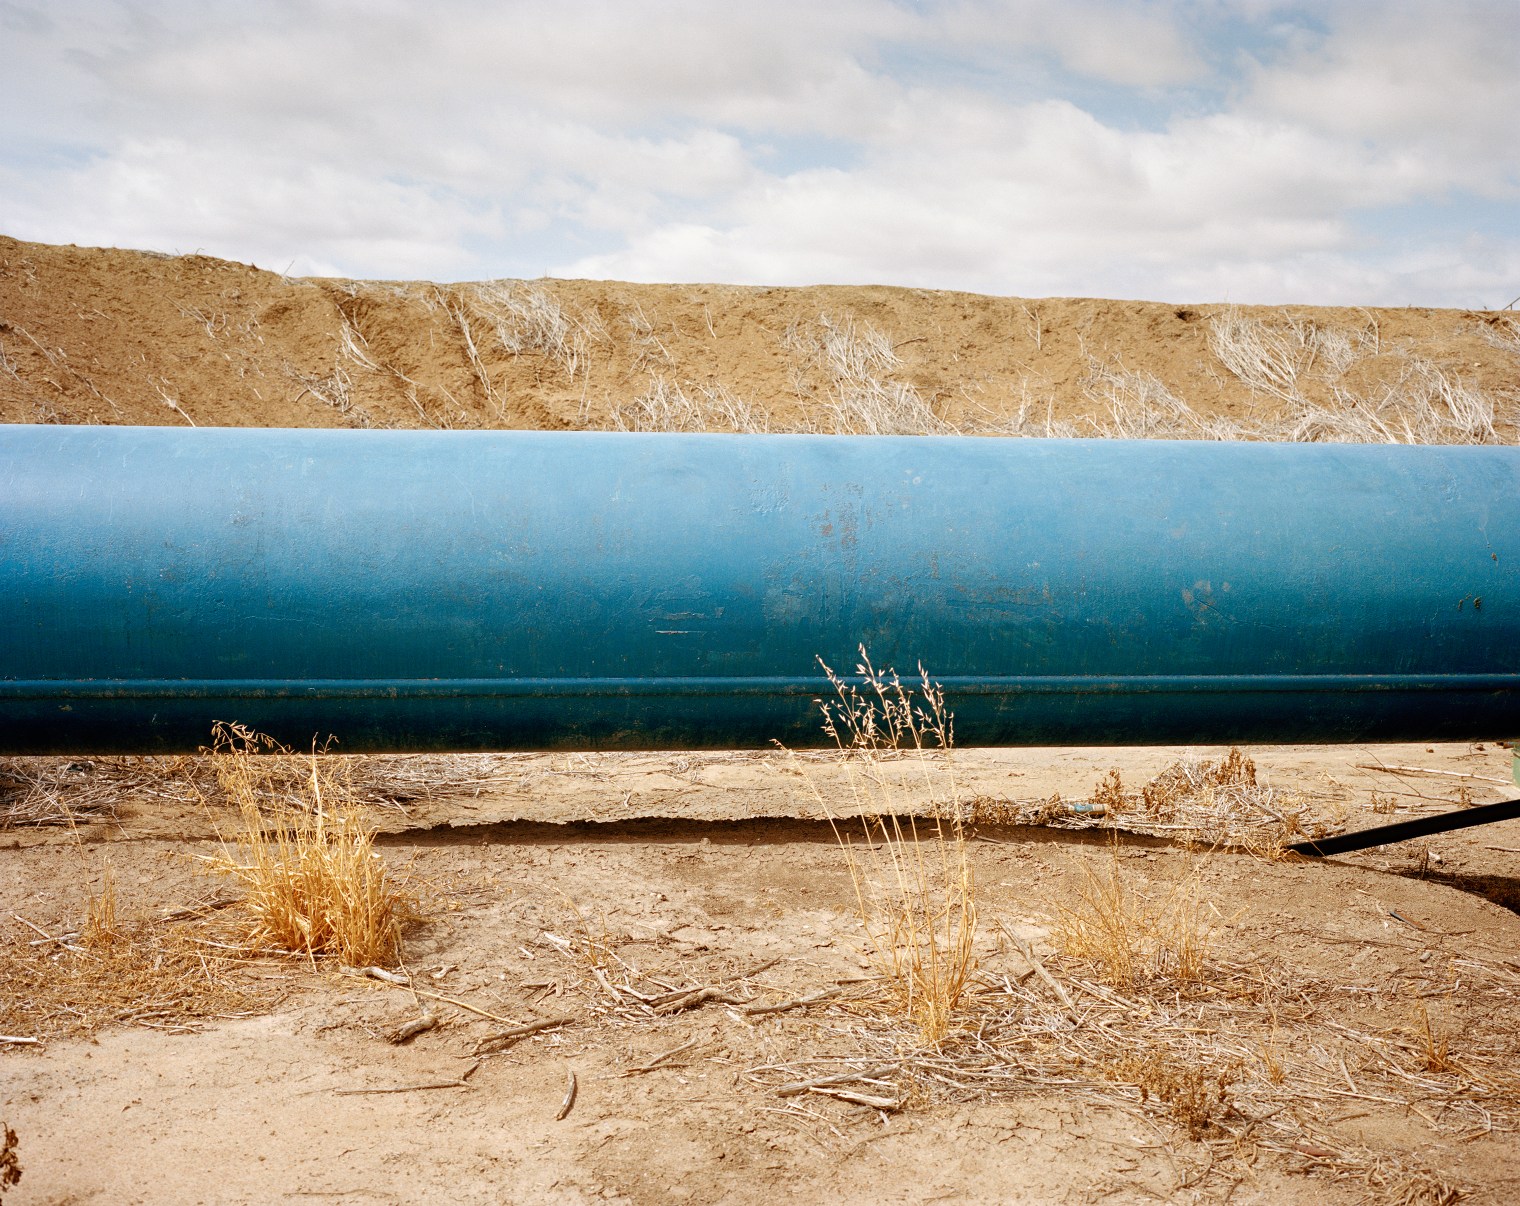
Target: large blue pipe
[534,590]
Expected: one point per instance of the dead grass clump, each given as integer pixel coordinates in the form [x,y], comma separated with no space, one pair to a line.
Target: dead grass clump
[667,407]
[1187,779]
[914,888]
[1433,1050]
[1305,366]
[37,792]
[1128,941]
[526,320]
[157,974]
[1196,1094]
[1280,358]
[854,366]
[1140,407]
[101,929]
[313,882]
[1209,802]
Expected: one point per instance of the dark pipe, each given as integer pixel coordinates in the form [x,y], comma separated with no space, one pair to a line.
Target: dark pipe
[1402,831]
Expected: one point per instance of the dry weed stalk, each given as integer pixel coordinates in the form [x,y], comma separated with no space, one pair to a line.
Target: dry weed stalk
[1140,407]
[526,320]
[914,891]
[313,881]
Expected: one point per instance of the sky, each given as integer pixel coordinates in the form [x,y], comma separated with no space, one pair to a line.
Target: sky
[1342,152]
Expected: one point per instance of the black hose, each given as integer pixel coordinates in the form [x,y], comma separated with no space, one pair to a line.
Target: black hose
[1399,831]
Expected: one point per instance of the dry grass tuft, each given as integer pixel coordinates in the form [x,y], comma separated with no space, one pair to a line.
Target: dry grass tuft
[1433,1050]
[101,929]
[914,887]
[313,882]
[1128,941]
[1140,407]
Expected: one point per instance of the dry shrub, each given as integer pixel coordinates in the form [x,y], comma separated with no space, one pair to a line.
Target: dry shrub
[914,887]
[313,882]
[1196,1095]
[1128,941]
[1109,794]
[857,365]
[1211,802]
[10,1163]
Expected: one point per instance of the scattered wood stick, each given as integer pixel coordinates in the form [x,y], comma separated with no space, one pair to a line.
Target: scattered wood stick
[460,1083]
[699,996]
[493,1043]
[66,939]
[17,1040]
[601,978]
[389,977]
[406,1032]
[860,1099]
[568,1103]
[754,971]
[659,1059]
[1425,770]
[218,902]
[839,1078]
[33,926]
[379,973]
[812,998]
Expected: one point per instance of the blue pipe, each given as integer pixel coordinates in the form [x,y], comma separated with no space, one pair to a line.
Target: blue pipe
[538,590]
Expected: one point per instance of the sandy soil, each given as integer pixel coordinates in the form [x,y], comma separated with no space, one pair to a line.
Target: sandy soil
[1351,1037]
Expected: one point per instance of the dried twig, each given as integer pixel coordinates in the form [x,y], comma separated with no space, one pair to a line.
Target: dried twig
[1425,770]
[699,996]
[812,998]
[839,1078]
[406,1032]
[399,981]
[568,1103]
[861,1099]
[494,1043]
[459,1083]
[659,1059]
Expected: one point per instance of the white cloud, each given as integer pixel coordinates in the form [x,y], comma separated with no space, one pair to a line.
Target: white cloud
[983,144]
[1434,85]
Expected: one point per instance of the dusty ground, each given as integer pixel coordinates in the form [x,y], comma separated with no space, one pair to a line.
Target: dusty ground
[1350,1034]
[715,871]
